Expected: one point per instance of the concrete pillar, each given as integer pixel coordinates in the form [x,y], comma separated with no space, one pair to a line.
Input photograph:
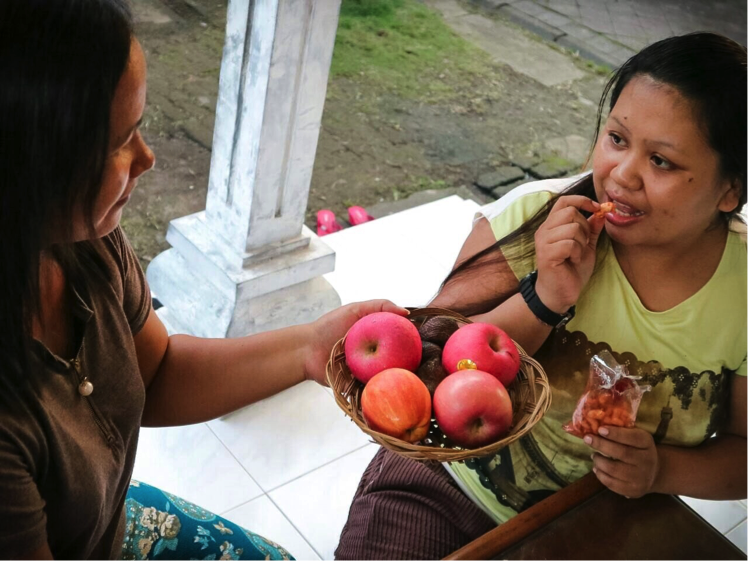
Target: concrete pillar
[247,263]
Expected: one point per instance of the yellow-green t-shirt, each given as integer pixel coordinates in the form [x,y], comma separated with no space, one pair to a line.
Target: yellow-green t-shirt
[687,354]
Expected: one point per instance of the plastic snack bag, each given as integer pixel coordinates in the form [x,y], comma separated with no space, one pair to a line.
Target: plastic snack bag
[611,398]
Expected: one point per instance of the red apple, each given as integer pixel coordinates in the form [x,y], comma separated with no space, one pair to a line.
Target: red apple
[472,408]
[380,341]
[490,349]
[397,403]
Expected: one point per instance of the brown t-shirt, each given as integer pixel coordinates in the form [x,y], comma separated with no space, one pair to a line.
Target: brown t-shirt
[65,464]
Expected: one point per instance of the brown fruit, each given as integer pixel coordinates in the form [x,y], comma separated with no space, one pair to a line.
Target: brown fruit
[431,371]
[430,351]
[437,330]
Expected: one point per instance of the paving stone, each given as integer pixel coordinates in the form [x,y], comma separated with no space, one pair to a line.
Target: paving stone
[577,30]
[526,162]
[568,8]
[631,21]
[603,25]
[490,4]
[620,9]
[551,168]
[587,51]
[500,176]
[635,43]
[553,18]
[511,46]
[529,7]
[602,43]
[531,23]
[620,55]
[504,189]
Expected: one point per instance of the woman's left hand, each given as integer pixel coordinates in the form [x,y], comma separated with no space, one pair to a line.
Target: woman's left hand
[626,461]
[332,327]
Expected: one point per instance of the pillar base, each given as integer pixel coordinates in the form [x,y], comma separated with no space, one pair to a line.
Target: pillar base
[204,297]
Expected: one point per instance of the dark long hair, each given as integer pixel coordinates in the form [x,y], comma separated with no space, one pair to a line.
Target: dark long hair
[60,63]
[707,69]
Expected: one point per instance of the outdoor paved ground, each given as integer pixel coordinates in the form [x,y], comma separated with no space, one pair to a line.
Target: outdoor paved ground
[609,31]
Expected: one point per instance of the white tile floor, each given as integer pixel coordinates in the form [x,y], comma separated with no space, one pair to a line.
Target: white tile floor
[287,467]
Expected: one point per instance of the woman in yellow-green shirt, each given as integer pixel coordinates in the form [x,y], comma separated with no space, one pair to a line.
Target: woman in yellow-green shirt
[688,379]
[660,281]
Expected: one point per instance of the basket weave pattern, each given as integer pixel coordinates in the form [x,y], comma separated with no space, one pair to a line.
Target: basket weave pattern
[530,395]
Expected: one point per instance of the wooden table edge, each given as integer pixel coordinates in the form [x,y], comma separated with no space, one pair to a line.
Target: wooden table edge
[505,535]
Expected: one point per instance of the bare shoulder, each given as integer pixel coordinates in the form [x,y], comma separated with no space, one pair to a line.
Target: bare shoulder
[480,238]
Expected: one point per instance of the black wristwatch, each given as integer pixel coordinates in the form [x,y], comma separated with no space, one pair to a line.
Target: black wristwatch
[549,317]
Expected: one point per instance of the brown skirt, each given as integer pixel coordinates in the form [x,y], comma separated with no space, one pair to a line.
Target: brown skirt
[405,509]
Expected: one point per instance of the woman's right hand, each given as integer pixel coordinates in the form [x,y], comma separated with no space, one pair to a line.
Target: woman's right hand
[565,248]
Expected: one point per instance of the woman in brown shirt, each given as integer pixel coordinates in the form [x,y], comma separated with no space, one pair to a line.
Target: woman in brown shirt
[85,360]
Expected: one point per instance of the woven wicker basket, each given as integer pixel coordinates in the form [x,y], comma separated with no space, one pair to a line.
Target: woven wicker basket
[530,395]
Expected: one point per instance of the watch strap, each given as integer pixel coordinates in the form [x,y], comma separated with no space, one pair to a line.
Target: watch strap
[541,311]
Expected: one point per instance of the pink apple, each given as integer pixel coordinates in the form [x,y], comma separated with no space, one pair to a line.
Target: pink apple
[472,408]
[396,402]
[380,341]
[490,349]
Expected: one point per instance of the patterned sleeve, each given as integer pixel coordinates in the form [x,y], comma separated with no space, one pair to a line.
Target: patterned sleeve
[136,296]
[22,519]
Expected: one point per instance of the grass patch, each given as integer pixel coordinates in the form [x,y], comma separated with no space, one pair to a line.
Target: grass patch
[416,185]
[599,69]
[404,47]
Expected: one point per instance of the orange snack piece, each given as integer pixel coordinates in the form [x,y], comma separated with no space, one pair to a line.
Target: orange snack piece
[605,208]
[599,407]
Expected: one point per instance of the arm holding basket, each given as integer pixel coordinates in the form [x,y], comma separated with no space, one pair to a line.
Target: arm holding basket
[191,380]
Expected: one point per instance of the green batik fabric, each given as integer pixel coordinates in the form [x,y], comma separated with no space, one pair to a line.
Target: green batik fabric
[162,526]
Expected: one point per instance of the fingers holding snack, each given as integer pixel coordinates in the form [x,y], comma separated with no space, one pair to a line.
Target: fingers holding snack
[578,202]
[565,246]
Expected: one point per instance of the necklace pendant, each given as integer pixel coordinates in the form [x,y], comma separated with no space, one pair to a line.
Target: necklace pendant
[85,388]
